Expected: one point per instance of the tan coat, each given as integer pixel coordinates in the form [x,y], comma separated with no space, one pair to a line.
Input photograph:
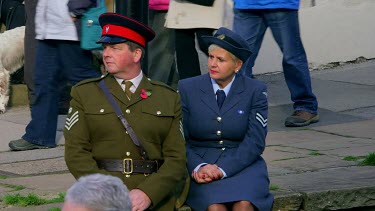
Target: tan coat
[93,131]
[185,15]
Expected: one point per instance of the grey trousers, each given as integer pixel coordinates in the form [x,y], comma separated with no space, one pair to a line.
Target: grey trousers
[161,51]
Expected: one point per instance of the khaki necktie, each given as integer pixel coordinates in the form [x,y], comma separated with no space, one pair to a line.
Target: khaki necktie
[128,93]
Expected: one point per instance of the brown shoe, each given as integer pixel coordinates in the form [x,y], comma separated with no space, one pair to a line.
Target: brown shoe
[301,118]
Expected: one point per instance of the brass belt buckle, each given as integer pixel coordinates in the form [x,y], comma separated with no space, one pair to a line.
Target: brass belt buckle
[128,161]
[145,174]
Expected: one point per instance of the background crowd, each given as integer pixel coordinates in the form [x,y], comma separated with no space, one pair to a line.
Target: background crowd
[226,93]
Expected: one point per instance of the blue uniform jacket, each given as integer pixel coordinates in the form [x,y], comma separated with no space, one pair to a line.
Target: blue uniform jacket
[232,137]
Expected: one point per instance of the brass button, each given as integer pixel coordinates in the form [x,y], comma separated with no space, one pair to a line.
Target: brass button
[218,132]
[218,119]
[221,142]
[126,132]
[127,153]
[127,111]
[223,148]
[128,175]
[158,112]
[101,110]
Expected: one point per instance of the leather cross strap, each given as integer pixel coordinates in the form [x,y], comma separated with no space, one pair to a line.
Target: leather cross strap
[121,116]
[130,166]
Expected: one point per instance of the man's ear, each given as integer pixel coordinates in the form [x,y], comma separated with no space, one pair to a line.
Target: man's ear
[137,55]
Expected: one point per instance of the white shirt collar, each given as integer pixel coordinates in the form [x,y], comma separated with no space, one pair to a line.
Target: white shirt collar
[226,89]
[136,81]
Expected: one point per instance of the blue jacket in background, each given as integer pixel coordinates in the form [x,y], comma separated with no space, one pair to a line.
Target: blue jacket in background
[266,4]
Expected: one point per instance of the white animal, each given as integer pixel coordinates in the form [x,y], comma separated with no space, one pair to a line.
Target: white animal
[11,59]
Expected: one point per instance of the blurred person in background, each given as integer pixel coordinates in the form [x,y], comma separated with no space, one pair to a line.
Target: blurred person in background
[251,19]
[190,22]
[161,50]
[58,56]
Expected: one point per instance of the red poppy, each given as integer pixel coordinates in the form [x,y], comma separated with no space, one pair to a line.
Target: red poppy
[144,94]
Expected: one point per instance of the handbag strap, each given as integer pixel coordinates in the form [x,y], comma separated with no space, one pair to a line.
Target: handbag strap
[121,116]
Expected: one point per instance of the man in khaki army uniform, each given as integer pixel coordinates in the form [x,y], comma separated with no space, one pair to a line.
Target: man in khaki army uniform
[96,140]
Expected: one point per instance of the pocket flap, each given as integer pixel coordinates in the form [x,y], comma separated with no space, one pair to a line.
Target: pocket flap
[98,110]
[162,112]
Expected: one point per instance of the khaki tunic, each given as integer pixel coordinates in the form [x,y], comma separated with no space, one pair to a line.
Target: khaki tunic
[93,131]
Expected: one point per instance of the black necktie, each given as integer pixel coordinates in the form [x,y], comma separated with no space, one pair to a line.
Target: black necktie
[220,94]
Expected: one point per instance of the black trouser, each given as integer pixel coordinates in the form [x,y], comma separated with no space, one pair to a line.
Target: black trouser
[30,49]
[186,53]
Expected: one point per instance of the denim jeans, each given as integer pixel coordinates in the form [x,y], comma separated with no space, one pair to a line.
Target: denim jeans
[55,60]
[284,25]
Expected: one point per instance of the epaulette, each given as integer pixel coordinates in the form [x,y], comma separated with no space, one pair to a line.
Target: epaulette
[159,83]
[91,80]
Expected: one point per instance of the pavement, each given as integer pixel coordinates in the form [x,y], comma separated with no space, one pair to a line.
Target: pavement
[306,165]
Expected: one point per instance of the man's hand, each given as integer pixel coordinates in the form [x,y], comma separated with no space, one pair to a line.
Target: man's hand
[140,201]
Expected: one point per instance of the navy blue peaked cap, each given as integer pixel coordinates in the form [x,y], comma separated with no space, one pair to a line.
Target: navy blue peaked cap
[231,42]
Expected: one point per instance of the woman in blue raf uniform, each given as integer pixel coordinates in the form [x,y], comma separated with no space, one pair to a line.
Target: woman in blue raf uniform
[225,132]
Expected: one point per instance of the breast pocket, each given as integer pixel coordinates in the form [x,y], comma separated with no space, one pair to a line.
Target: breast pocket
[156,123]
[101,119]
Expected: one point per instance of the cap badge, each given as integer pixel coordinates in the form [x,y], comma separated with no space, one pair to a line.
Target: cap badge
[222,36]
[106,29]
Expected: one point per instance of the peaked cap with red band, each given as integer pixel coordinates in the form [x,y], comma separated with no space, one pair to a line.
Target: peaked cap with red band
[117,29]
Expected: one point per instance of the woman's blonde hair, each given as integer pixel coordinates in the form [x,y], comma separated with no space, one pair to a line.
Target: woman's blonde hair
[214,46]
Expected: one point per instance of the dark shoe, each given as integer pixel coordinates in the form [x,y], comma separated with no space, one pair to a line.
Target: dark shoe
[301,118]
[22,145]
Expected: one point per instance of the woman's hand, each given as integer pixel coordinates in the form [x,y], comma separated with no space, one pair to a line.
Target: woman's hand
[207,173]
[201,178]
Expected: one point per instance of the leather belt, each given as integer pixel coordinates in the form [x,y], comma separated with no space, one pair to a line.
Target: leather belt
[130,166]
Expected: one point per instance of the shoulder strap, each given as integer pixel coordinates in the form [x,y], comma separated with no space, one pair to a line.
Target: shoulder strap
[124,122]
